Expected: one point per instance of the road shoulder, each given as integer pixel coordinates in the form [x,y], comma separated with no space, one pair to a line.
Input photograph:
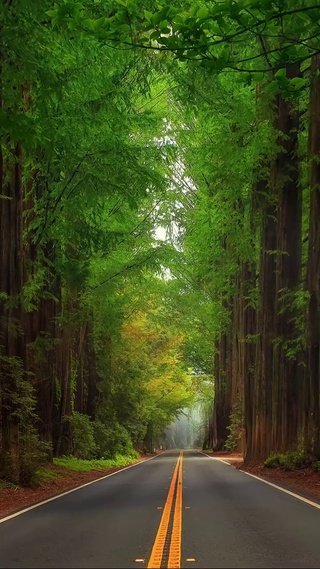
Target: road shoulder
[16,498]
[304,481]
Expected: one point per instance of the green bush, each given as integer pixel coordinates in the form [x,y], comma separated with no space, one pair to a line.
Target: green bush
[290,460]
[44,475]
[235,427]
[21,462]
[7,485]
[112,440]
[79,465]
[316,465]
[82,433]
[33,455]
[274,460]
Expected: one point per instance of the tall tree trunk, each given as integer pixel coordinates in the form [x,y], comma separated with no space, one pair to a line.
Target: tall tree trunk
[11,283]
[274,398]
[259,321]
[262,397]
[63,444]
[82,369]
[222,391]
[288,271]
[249,360]
[40,324]
[313,267]
[65,356]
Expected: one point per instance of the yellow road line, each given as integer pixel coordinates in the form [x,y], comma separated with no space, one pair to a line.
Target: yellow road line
[158,546]
[175,545]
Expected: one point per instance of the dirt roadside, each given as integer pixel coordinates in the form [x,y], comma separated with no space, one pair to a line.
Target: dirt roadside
[17,498]
[304,481]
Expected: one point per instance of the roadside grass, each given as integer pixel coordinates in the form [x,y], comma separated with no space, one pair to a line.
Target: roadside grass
[80,465]
[66,465]
[5,485]
[44,475]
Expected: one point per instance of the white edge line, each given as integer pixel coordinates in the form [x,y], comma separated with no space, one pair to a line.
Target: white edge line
[20,512]
[293,494]
[221,460]
[215,458]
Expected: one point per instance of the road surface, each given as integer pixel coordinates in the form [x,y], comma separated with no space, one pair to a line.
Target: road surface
[180,509]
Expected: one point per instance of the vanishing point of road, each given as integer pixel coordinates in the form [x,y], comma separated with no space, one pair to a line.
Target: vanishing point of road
[181,509]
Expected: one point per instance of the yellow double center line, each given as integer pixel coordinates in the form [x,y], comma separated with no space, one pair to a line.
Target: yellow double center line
[175,491]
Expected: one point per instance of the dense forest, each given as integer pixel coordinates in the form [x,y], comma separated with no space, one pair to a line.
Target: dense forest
[159,219]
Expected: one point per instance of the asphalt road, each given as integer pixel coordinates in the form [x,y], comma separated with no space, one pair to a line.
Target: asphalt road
[184,512]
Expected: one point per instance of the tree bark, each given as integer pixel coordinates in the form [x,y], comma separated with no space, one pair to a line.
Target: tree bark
[313,268]
[11,314]
[288,272]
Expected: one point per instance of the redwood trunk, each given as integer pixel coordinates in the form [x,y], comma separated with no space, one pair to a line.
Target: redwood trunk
[313,267]
[286,372]
[11,283]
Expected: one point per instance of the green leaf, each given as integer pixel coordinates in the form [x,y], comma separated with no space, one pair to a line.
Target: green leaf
[156,18]
[163,25]
[273,88]
[298,82]
[124,28]
[281,73]
[154,35]
[147,15]
[203,13]
[163,40]
[258,77]
[304,16]
[52,13]
[193,10]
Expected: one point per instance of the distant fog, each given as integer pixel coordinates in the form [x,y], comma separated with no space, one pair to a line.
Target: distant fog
[187,431]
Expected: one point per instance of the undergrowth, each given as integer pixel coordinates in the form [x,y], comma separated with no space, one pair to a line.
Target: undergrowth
[290,460]
[86,465]
[46,475]
[4,485]
[71,463]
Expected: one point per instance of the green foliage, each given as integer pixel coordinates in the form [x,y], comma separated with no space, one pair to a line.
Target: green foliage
[82,434]
[274,460]
[112,440]
[290,460]
[33,455]
[16,390]
[295,303]
[4,485]
[43,475]
[78,465]
[218,37]
[235,427]
[92,176]
[19,400]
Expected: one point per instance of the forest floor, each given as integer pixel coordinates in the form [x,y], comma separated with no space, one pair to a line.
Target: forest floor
[304,481]
[14,498]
